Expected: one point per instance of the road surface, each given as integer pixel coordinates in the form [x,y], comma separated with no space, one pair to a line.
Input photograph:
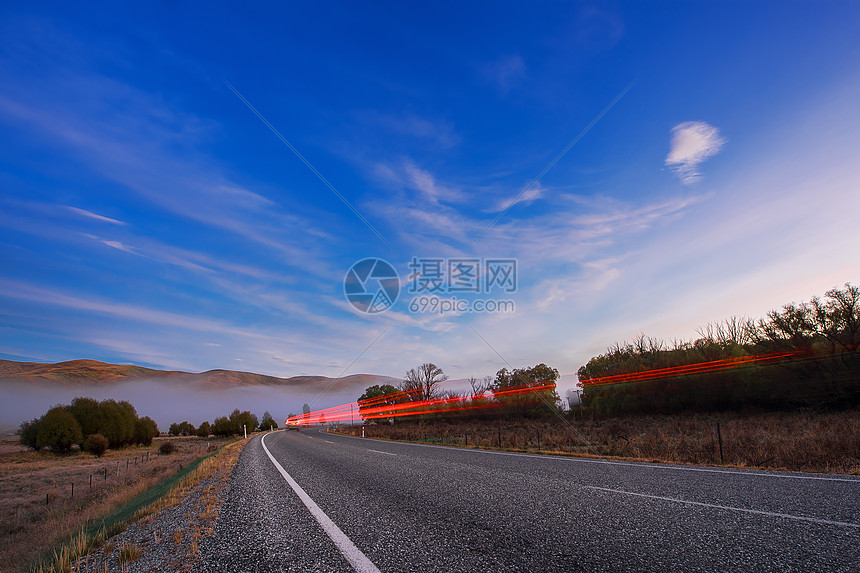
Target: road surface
[311,501]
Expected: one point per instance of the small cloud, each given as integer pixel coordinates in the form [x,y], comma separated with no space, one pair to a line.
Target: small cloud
[121,247]
[407,175]
[530,196]
[692,143]
[91,215]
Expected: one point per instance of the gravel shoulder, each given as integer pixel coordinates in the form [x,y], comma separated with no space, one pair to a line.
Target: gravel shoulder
[263,526]
[169,539]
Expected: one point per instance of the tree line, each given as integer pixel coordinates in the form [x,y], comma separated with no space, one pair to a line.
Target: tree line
[803,355]
[225,426]
[524,392]
[92,425]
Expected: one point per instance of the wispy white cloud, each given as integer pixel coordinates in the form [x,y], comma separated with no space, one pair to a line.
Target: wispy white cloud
[154,154]
[407,176]
[534,193]
[91,215]
[692,143]
[120,246]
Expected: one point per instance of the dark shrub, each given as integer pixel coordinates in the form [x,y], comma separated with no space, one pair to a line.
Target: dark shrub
[59,430]
[29,432]
[167,448]
[95,444]
[204,430]
[144,430]
[223,427]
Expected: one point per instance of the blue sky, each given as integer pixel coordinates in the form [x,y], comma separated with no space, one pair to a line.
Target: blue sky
[148,216]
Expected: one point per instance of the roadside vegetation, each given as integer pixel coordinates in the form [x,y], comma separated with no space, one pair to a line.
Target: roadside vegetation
[81,472]
[782,392]
[47,499]
[232,425]
[90,425]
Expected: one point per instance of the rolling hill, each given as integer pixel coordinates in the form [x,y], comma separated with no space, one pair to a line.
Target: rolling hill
[93,372]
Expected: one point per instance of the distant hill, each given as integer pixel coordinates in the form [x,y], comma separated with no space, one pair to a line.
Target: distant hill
[93,372]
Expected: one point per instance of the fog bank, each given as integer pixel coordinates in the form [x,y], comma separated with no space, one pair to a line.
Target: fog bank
[166,403]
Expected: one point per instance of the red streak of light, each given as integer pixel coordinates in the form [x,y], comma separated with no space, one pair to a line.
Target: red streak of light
[375,408]
[698,368]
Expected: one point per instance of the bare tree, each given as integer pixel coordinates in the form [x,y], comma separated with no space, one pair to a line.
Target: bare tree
[480,387]
[421,383]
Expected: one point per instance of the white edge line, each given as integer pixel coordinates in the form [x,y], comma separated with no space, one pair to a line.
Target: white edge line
[353,554]
[574,459]
[730,508]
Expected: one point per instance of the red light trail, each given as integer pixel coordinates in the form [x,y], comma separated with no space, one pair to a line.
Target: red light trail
[400,404]
[697,368]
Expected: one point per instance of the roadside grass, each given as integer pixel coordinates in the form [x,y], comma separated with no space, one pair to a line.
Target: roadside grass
[799,441]
[41,518]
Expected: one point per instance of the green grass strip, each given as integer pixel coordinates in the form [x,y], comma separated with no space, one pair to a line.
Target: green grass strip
[112,523]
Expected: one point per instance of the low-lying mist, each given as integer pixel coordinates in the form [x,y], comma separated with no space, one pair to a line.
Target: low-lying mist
[167,403]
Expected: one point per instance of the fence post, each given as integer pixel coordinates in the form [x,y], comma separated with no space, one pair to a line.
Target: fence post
[500,438]
[720,440]
[73,490]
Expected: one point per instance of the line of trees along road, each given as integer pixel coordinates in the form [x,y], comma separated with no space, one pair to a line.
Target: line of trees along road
[231,425]
[524,392]
[804,355]
[819,365]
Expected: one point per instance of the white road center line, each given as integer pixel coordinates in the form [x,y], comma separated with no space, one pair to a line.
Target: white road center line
[353,554]
[727,507]
[381,452]
[326,441]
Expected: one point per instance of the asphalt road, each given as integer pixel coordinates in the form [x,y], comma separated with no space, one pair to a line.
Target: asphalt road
[370,505]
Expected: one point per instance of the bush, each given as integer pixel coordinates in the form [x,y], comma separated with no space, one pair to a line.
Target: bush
[268,423]
[247,419]
[167,448]
[223,427]
[95,444]
[29,432]
[144,430]
[204,430]
[59,430]
[116,422]
[185,428]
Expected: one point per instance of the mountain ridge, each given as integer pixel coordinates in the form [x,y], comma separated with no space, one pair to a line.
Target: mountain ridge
[88,372]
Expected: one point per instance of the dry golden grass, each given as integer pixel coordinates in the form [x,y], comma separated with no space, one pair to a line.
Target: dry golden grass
[802,441]
[75,555]
[128,552]
[30,527]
